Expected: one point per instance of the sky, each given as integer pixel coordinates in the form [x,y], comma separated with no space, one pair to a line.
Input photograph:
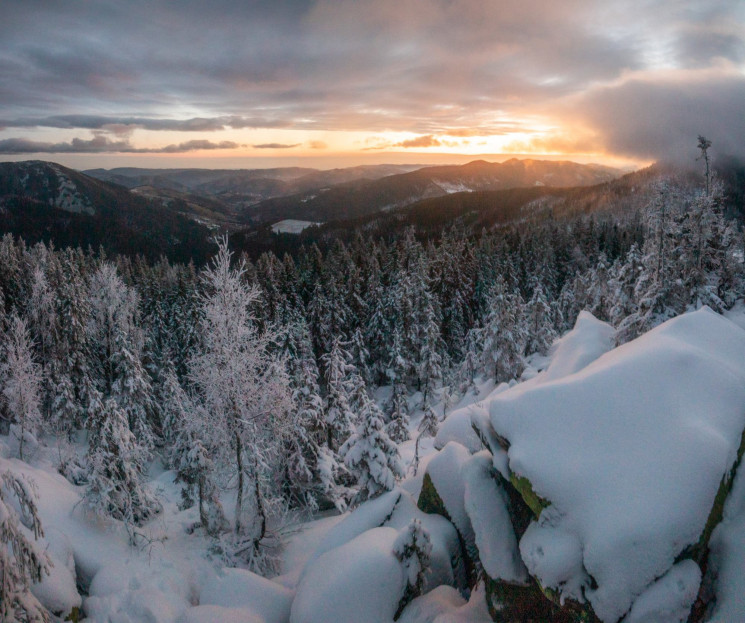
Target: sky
[330,83]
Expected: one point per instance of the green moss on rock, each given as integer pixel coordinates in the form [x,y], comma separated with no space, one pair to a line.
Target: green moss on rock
[532,499]
[516,603]
[430,501]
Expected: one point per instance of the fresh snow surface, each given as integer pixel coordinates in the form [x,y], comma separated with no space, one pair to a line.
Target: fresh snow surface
[238,588]
[427,608]
[589,339]
[630,452]
[670,598]
[445,471]
[361,581]
[215,614]
[457,427]
[291,226]
[486,505]
[395,510]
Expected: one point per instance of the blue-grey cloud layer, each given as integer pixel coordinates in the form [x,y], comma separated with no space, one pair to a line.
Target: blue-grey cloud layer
[425,66]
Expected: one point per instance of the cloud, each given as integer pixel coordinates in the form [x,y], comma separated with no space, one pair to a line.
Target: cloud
[420,141]
[317,145]
[654,118]
[275,146]
[122,124]
[101,144]
[438,68]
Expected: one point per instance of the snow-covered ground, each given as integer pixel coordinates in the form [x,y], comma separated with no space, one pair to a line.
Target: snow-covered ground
[626,447]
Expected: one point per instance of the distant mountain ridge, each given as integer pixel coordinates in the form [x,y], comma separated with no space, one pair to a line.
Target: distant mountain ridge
[363,197]
[238,189]
[175,212]
[46,201]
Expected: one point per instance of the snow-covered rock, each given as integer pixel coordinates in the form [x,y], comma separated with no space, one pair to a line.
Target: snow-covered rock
[457,427]
[629,453]
[360,581]
[213,614]
[670,598]
[57,591]
[444,472]
[428,607]
[727,558]
[487,507]
[396,509]
[238,588]
[589,339]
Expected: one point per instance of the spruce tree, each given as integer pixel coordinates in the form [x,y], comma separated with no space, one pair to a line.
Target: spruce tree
[371,456]
[116,484]
[22,384]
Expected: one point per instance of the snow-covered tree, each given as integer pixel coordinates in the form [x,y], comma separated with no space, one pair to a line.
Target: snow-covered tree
[116,484]
[540,332]
[242,387]
[22,561]
[503,338]
[413,549]
[430,368]
[196,470]
[427,428]
[22,384]
[340,418]
[371,455]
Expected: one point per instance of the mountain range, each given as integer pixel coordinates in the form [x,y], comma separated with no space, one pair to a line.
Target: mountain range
[175,212]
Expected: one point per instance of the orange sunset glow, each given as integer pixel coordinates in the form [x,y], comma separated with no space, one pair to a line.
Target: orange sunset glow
[332,84]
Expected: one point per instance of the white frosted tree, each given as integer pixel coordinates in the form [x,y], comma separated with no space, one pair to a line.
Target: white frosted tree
[371,456]
[428,426]
[241,386]
[116,484]
[22,384]
[117,341]
[540,332]
[340,418]
[196,470]
[503,338]
[22,561]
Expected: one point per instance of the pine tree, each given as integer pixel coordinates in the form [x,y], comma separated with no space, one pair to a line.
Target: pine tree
[413,549]
[22,384]
[430,369]
[196,470]
[340,418]
[22,562]
[503,338]
[116,485]
[540,331]
[427,428]
[371,456]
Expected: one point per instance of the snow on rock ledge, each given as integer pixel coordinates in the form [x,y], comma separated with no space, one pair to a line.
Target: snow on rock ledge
[630,453]
[360,581]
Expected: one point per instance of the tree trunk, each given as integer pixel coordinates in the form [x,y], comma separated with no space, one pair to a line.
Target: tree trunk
[239,498]
[259,502]
[202,512]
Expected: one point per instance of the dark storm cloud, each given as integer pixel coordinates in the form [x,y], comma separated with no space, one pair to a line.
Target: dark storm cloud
[662,118]
[432,67]
[102,144]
